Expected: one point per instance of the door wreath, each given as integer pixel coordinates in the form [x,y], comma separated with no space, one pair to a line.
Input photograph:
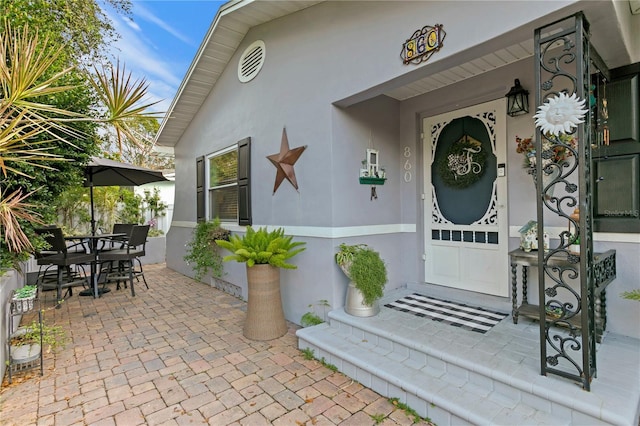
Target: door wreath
[464,163]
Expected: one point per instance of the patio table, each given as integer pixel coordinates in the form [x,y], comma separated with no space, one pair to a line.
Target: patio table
[93,246]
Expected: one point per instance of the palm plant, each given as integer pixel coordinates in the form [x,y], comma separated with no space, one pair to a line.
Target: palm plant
[23,63]
[122,99]
[30,127]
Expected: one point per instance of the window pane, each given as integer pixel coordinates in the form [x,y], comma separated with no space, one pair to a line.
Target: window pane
[223,169]
[223,203]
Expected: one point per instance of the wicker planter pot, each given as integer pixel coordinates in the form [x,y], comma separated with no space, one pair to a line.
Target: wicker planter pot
[265,317]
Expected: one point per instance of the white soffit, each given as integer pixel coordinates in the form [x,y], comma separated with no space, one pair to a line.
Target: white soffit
[461,72]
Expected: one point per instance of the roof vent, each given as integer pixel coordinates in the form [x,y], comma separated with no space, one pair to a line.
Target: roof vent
[251,61]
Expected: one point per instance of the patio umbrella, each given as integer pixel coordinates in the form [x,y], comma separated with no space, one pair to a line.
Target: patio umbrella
[105,172]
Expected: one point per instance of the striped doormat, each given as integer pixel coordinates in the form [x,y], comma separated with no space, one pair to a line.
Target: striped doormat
[456,314]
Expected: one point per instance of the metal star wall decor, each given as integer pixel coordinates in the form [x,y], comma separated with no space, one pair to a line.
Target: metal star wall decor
[284,161]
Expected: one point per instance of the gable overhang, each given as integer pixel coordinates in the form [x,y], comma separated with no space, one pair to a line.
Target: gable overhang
[228,29]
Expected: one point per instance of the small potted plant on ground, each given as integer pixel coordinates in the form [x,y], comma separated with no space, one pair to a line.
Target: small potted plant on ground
[264,253]
[368,275]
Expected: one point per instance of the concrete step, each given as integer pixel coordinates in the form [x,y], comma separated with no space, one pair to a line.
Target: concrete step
[454,376]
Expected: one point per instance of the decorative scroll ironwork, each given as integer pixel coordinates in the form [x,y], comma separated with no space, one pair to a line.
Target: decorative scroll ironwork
[563,66]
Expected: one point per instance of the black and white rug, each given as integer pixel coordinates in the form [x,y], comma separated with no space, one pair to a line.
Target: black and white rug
[468,317]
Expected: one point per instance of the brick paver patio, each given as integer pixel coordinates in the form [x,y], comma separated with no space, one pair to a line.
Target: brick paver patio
[175,355]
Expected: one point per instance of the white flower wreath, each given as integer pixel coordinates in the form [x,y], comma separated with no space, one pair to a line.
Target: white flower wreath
[560,114]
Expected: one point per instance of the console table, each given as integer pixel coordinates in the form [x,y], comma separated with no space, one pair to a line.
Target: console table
[604,271]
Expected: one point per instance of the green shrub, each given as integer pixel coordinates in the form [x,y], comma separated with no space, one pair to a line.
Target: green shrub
[202,251]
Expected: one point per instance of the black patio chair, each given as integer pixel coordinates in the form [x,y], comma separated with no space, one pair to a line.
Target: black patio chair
[60,267]
[113,243]
[117,242]
[127,259]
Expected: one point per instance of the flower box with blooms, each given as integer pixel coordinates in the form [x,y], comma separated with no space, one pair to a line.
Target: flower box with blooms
[555,149]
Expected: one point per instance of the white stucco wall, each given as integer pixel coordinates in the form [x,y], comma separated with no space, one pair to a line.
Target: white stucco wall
[166,191]
[337,53]
[9,281]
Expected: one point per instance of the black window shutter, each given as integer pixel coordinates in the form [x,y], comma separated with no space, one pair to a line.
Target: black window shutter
[244,182]
[200,178]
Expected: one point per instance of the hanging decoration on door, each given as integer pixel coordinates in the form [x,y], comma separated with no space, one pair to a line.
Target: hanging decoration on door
[464,163]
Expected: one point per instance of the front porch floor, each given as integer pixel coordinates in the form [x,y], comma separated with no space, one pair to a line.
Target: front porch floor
[456,376]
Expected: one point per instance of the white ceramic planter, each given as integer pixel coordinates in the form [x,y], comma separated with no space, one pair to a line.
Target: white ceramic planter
[354,304]
[21,306]
[25,353]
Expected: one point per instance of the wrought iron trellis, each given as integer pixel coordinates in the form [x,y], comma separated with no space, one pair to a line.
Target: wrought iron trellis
[563,65]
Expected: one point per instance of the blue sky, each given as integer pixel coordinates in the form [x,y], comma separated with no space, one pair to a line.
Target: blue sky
[161,40]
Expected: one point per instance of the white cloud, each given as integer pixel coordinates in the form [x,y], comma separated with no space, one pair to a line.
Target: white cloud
[145,56]
[143,61]
[132,23]
[145,14]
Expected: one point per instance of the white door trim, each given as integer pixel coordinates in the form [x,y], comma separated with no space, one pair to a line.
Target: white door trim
[470,266]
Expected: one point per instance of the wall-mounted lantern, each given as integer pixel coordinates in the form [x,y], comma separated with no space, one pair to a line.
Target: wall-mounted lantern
[517,100]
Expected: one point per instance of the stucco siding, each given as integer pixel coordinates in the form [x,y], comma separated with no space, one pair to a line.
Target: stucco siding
[324,73]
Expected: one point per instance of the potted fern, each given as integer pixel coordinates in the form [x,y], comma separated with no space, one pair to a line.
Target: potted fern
[367,274]
[264,253]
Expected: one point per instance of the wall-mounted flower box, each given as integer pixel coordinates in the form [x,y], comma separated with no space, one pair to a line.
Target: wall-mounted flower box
[372,181]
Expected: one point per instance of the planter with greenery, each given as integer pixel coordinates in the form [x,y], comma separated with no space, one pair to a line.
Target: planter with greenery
[23,299]
[27,341]
[202,251]
[368,275]
[264,253]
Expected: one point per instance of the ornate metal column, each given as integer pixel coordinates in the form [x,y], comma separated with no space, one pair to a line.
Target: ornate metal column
[563,176]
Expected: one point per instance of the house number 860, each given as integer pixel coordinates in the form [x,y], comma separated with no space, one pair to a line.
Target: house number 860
[407,164]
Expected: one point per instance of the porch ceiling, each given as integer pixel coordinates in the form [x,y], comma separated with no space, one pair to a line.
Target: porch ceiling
[235,18]
[486,63]
[509,48]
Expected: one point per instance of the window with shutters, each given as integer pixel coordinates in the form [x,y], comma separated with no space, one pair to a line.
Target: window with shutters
[222,184]
[225,174]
